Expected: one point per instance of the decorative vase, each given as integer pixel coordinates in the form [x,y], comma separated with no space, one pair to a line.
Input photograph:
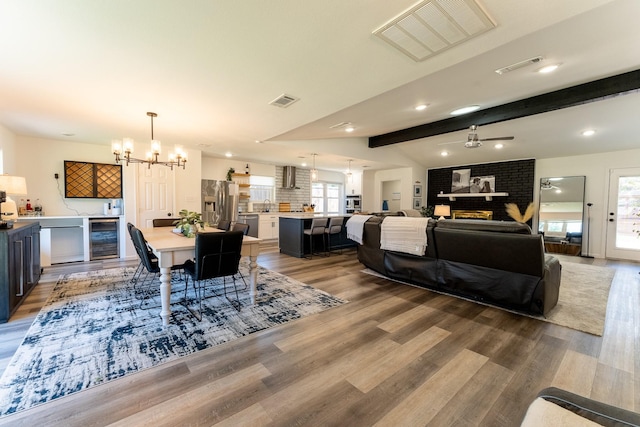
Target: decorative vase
[190,230]
[385,205]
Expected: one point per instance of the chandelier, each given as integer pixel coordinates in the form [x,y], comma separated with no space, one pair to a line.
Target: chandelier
[123,150]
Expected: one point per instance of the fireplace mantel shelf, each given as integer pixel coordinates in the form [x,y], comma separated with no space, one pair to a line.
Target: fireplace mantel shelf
[487,196]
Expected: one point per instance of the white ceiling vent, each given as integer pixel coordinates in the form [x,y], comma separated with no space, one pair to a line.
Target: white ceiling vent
[520,64]
[432,26]
[284,100]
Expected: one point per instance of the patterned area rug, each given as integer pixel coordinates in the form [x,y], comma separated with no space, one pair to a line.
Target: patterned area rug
[582,303]
[93,329]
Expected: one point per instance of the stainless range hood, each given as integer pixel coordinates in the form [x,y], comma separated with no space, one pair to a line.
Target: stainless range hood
[289,177]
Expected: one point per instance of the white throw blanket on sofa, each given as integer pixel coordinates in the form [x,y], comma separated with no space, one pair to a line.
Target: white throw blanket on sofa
[404,234]
[355,227]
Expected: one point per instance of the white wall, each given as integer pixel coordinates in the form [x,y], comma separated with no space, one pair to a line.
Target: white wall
[372,195]
[596,168]
[7,151]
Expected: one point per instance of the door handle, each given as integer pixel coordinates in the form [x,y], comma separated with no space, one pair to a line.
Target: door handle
[610,219]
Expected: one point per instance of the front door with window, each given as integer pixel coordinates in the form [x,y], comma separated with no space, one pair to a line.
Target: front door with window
[623,215]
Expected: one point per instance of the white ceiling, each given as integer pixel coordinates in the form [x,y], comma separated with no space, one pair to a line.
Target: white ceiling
[210,68]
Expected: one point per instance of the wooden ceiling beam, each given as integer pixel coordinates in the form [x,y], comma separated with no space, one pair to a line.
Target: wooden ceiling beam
[585,93]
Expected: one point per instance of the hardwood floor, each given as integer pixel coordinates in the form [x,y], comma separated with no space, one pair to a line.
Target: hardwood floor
[395,355]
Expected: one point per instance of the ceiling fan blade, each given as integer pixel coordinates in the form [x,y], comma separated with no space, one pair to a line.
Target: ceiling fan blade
[452,142]
[499,138]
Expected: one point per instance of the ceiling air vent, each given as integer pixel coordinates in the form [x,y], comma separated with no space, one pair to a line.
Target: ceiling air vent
[520,64]
[284,100]
[433,26]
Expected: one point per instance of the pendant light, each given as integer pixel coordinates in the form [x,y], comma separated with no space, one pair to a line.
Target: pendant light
[349,174]
[314,171]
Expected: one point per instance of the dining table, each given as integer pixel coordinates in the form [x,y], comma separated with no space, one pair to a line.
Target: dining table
[172,249]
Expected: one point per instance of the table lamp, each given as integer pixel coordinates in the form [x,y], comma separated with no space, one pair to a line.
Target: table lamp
[15,185]
[442,211]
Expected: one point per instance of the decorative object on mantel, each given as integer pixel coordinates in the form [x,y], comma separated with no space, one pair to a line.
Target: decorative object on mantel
[441,211]
[230,172]
[514,212]
[179,158]
[189,222]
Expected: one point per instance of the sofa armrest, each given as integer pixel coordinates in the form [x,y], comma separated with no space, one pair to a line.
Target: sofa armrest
[568,405]
[551,282]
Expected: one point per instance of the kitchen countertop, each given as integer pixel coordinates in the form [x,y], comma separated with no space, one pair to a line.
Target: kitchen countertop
[35,218]
[304,215]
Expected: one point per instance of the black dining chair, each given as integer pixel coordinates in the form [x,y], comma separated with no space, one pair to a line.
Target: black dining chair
[217,255]
[148,263]
[240,226]
[223,224]
[164,222]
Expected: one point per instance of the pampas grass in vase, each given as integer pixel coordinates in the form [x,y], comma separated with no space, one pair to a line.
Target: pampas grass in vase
[514,212]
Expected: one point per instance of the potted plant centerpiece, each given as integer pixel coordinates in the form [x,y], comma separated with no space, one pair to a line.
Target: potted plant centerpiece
[189,222]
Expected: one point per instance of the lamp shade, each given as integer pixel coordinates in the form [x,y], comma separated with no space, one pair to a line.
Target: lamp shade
[15,185]
[442,211]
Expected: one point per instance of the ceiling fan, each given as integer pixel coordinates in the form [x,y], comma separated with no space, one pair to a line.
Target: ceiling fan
[547,185]
[474,142]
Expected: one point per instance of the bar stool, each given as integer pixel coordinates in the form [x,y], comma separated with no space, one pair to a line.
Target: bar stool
[334,227]
[317,229]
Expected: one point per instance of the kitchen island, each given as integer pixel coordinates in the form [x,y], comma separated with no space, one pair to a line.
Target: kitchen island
[291,234]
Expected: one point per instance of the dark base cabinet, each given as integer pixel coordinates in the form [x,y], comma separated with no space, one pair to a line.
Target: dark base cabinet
[19,265]
[293,242]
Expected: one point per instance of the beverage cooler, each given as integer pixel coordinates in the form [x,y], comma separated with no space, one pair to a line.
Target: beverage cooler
[103,238]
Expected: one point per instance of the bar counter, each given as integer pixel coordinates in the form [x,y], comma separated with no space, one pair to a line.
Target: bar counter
[291,236]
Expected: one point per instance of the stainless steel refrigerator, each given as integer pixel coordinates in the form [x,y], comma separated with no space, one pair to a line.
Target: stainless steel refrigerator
[219,201]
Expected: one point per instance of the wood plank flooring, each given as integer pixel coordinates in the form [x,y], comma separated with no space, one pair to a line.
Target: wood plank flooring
[394,356]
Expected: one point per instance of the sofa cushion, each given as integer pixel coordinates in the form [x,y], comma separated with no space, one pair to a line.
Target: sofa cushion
[509,252]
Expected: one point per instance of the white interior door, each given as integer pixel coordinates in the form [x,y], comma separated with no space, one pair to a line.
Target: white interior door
[155,193]
[624,206]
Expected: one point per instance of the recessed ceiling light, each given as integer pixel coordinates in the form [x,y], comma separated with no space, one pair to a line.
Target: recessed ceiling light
[444,153]
[227,154]
[258,141]
[465,110]
[588,132]
[548,69]
[68,134]
[421,107]
[349,129]
[303,164]
[499,146]
[558,191]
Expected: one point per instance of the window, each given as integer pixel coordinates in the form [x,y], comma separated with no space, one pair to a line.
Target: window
[326,197]
[262,188]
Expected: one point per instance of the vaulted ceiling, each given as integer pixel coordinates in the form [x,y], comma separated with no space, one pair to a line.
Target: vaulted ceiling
[91,70]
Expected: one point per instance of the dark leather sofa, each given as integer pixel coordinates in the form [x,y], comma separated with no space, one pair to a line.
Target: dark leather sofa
[497,262]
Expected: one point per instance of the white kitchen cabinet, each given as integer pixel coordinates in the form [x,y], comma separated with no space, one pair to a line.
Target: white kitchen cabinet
[353,186]
[269,226]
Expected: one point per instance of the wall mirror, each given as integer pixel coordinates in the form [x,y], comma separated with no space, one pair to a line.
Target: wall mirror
[561,213]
